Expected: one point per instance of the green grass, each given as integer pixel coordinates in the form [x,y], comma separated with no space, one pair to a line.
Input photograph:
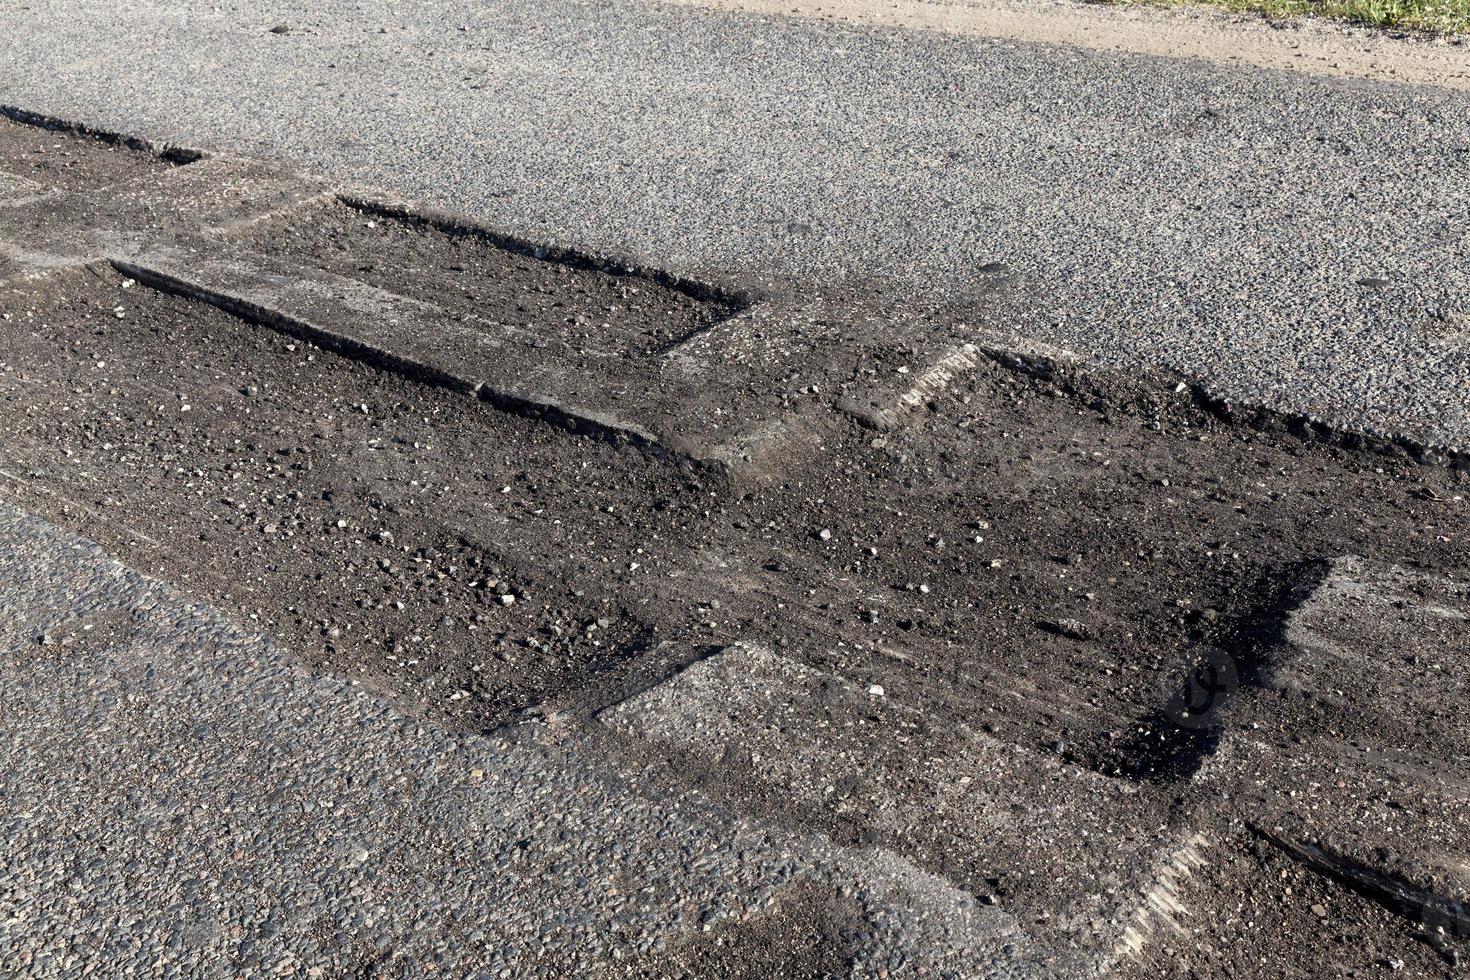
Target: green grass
[1431,16]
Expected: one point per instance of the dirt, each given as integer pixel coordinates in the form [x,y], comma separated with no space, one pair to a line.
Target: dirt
[1055,556]
[495,289]
[35,159]
[1038,557]
[1260,901]
[1154,526]
[307,476]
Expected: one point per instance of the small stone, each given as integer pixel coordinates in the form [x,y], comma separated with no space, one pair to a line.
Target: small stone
[1319,911]
[1072,628]
[876,690]
[825,534]
[281,29]
[507,600]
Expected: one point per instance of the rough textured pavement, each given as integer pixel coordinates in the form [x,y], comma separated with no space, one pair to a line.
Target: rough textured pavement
[1297,241]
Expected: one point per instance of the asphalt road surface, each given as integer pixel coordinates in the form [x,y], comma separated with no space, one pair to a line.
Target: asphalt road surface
[384,596]
[1217,219]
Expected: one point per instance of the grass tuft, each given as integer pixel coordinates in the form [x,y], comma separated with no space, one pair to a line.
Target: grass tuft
[1430,16]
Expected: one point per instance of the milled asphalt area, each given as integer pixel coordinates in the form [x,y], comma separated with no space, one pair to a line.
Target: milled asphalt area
[1220,220]
[178,800]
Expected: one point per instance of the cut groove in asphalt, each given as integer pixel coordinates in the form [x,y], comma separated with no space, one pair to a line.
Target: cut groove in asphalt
[23,140]
[375,204]
[39,163]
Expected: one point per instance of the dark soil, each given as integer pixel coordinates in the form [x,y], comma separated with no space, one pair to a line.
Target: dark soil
[43,159]
[1259,898]
[301,489]
[1040,557]
[1149,527]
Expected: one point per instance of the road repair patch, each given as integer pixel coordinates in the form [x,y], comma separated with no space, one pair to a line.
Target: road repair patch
[828,558]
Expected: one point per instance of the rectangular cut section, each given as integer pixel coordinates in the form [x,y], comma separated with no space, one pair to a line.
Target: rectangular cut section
[499,288]
[1010,825]
[679,363]
[620,346]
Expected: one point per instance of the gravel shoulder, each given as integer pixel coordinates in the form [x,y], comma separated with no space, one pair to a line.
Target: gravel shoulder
[1304,45]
